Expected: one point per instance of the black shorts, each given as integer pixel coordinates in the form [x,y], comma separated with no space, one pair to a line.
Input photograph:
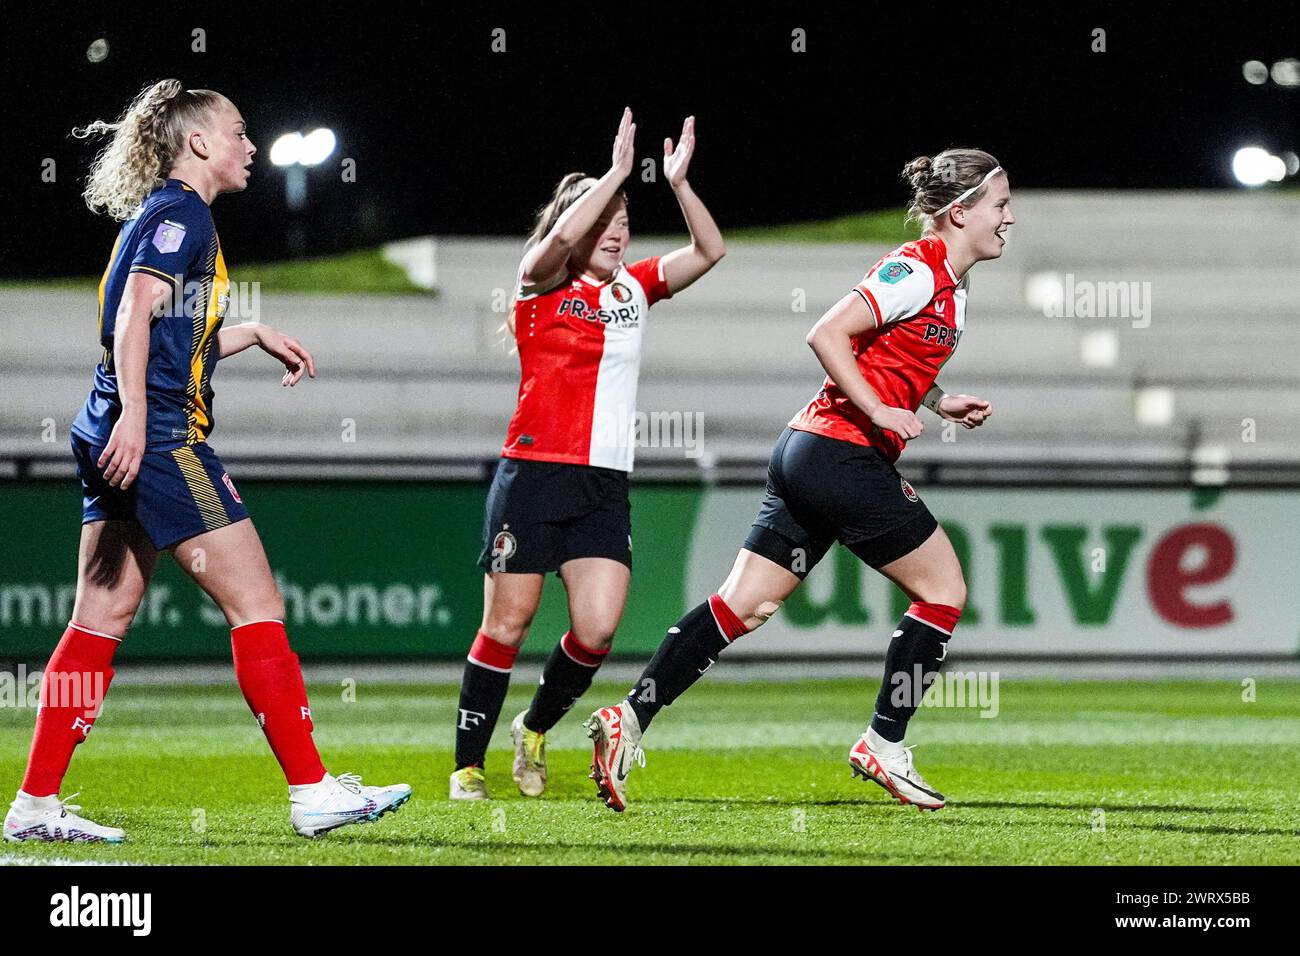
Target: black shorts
[822,490]
[541,514]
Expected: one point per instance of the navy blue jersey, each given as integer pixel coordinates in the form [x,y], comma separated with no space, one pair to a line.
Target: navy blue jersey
[174,239]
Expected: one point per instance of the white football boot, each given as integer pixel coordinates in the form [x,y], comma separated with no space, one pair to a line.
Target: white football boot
[892,769]
[469,783]
[530,758]
[616,738]
[317,808]
[53,820]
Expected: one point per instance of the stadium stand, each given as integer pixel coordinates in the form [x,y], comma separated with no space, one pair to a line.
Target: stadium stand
[427,376]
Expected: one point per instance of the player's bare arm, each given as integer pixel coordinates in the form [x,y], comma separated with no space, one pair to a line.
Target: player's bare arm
[969,411]
[297,360]
[831,340]
[683,266]
[545,261]
[121,456]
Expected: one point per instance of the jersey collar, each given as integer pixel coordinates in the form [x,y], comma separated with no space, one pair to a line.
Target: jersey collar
[593,281]
[943,248]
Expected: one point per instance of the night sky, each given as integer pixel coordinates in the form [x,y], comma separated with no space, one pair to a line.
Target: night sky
[452,138]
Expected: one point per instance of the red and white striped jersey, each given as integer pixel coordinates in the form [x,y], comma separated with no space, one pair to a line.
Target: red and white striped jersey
[919,306]
[580,355]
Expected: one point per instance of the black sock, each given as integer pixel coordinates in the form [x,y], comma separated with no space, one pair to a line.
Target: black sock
[915,654]
[566,677]
[691,647]
[482,692]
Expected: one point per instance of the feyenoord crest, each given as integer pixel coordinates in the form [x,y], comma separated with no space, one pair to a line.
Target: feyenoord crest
[908,490]
[620,292]
[504,545]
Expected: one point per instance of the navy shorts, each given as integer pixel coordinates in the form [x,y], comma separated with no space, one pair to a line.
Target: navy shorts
[822,490]
[541,514]
[178,493]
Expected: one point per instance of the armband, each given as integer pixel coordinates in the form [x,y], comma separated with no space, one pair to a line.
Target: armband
[933,397]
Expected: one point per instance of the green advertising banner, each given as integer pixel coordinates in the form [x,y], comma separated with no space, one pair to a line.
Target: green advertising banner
[367,569]
[388,570]
[1085,572]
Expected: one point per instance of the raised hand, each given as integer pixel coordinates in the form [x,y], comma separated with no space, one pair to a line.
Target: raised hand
[677,160]
[624,145]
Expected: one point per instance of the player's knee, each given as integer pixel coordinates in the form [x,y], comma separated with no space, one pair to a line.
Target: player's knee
[106,613]
[598,639]
[275,606]
[951,593]
[509,631]
[105,622]
[958,597]
[268,605]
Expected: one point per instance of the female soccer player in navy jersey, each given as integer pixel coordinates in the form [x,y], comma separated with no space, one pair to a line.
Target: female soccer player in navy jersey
[150,480]
[559,500]
[832,477]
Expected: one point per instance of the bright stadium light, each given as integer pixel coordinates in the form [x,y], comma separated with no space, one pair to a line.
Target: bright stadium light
[1044,292]
[1153,406]
[293,152]
[1254,166]
[1099,348]
[317,146]
[97,52]
[1210,465]
[286,150]
[1255,72]
[1286,72]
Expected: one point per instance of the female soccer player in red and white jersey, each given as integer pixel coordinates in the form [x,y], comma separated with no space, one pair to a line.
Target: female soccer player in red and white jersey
[559,500]
[151,483]
[832,477]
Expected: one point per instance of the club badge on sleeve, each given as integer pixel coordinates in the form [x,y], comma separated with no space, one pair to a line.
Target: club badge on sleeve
[168,236]
[895,271]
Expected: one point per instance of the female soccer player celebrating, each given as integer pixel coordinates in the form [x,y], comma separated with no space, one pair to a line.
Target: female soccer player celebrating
[832,477]
[151,482]
[559,501]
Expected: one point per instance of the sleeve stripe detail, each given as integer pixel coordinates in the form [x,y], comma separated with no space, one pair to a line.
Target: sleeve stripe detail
[870,299]
[153,271]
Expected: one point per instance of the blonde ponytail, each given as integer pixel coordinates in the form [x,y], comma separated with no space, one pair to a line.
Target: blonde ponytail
[147,138]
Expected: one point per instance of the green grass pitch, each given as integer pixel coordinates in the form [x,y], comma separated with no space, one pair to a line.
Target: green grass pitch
[1067,772]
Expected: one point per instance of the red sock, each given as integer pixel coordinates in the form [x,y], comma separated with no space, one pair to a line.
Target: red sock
[271,681]
[941,617]
[72,690]
[731,626]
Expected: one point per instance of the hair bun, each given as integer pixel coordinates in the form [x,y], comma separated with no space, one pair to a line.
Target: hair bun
[918,171]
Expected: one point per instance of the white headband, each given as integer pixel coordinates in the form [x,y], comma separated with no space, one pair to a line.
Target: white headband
[966,195]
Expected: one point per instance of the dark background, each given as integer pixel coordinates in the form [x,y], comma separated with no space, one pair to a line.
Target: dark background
[451,138]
